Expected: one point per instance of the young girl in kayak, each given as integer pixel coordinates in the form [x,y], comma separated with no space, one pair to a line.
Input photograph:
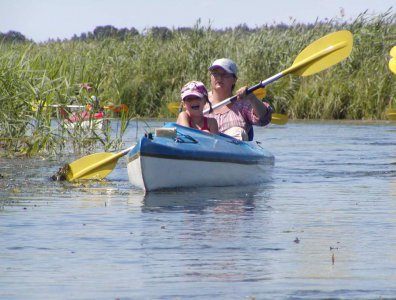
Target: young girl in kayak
[236,118]
[194,96]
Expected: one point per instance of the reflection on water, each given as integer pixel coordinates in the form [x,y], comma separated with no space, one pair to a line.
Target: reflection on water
[323,227]
[206,226]
[195,200]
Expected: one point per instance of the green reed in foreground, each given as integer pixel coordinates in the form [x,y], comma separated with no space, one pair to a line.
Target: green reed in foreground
[147,71]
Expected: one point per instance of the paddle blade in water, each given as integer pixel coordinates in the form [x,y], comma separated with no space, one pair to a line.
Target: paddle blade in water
[94,166]
[279,119]
[323,53]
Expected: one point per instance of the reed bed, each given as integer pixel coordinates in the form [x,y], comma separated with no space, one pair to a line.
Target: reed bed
[147,71]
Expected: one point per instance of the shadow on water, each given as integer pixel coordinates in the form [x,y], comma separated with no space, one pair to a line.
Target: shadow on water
[199,200]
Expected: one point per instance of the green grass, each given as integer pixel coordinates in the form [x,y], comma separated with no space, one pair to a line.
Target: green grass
[147,71]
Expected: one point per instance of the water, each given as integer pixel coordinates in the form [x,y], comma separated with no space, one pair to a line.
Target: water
[323,227]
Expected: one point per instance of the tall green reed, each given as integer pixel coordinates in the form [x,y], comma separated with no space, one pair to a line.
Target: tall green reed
[38,76]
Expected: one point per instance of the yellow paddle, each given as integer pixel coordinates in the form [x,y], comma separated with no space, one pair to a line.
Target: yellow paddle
[392,64]
[279,119]
[260,93]
[391,113]
[117,107]
[173,107]
[94,166]
[392,61]
[318,56]
[393,51]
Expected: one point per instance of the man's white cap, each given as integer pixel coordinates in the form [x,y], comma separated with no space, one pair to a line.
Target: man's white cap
[226,64]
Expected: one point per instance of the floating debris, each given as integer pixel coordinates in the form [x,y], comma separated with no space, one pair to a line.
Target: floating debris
[61,174]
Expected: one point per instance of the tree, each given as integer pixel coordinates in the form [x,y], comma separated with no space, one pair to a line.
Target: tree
[13,36]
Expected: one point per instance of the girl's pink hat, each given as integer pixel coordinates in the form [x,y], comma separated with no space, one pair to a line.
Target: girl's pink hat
[195,88]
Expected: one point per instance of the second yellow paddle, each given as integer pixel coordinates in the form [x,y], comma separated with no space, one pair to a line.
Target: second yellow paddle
[391,114]
[279,119]
[392,61]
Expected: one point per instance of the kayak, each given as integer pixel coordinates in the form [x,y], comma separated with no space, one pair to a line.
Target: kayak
[175,156]
[86,120]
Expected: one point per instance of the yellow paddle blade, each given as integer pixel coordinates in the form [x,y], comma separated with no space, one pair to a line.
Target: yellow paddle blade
[390,113]
[173,107]
[260,93]
[393,51]
[94,166]
[117,108]
[322,54]
[392,65]
[279,119]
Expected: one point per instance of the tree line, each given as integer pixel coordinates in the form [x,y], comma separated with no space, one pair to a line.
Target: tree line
[160,32]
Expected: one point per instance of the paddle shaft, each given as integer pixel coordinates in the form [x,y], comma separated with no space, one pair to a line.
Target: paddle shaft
[69,106]
[121,107]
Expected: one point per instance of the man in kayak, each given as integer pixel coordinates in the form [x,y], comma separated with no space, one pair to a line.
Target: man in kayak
[194,96]
[236,118]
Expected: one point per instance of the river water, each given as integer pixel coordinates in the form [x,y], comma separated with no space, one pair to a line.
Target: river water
[324,226]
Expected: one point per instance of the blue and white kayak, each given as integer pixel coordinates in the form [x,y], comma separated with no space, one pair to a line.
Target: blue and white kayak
[176,156]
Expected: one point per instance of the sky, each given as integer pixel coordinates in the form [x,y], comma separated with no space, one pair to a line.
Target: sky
[41,20]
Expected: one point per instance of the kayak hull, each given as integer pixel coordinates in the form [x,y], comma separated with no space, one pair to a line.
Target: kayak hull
[89,125]
[192,158]
[86,120]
